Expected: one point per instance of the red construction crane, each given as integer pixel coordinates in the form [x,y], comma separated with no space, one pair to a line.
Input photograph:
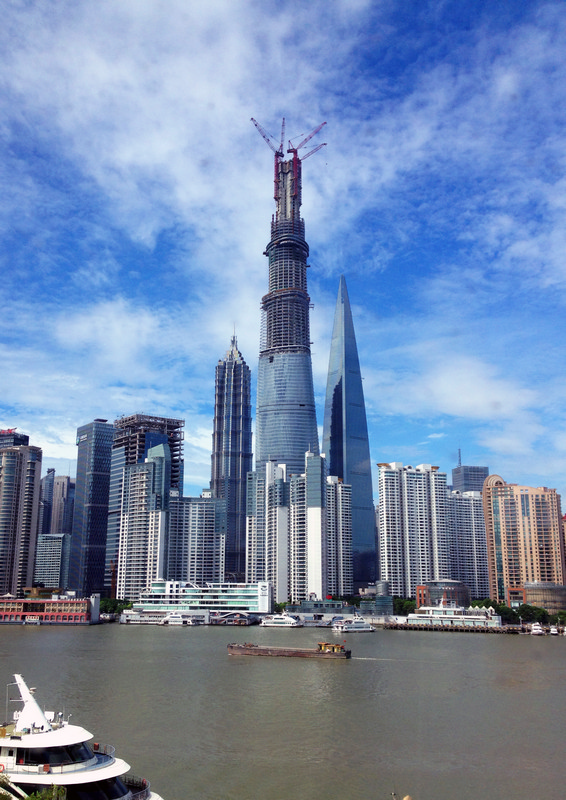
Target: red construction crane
[277,150]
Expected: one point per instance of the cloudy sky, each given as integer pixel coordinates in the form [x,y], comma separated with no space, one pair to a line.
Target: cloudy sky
[137,198]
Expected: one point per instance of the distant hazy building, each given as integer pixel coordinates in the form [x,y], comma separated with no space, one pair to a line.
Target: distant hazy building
[525,542]
[144,523]
[469,479]
[345,441]
[90,517]
[468,546]
[197,539]
[134,436]
[46,502]
[414,526]
[54,546]
[20,477]
[232,456]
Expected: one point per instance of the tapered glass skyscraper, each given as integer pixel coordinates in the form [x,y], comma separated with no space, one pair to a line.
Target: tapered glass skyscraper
[232,452]
[345,436]
[285,414]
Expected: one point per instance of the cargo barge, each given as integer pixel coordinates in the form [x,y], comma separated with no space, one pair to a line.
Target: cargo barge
[323,650]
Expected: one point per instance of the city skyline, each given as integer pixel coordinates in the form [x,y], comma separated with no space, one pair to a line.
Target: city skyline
[136,216]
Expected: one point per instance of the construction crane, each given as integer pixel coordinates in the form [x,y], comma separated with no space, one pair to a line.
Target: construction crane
[278,152]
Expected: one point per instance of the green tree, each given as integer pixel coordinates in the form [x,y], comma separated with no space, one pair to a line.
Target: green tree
[403,606]
[109,605]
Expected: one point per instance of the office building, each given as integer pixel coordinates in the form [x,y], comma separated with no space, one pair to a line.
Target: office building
[232,452]
[414,526]
[525,543]
[285,414]
[197,539]
[90,516]
[54,544]
[134,436]
[469,479]
[10,438]
[345,441]
[20,478]
[46,502]
[144,523]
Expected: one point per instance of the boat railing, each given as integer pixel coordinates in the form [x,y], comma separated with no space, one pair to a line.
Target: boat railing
[102,755]
[139,787]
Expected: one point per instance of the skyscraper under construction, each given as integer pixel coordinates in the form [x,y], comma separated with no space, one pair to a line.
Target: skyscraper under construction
[285,415]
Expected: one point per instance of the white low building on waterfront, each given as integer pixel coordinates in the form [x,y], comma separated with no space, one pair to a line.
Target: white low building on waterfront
[447,615]
[200,601]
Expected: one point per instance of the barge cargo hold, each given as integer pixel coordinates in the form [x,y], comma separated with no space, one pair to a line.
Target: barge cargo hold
[326,650]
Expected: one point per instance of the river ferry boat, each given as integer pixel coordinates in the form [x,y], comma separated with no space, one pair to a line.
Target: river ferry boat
[175,618]
[355,624]
[326,650]
[40,749]
[283,620]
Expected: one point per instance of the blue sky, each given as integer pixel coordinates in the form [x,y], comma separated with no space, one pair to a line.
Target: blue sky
[137,198]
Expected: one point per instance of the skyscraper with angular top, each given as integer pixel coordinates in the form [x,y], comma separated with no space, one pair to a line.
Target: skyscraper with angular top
[285,414]
[232,452]
[345,439]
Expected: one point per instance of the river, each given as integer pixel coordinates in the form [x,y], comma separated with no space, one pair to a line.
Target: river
[432,715]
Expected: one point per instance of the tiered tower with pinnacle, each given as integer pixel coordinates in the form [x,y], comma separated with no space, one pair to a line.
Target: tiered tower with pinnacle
[285,415]
[232,451]
[345,436]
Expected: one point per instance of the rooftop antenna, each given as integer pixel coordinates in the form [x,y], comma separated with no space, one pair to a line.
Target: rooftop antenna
[459,457]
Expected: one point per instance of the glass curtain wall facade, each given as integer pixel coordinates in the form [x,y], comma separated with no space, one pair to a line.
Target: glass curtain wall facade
[90,517]
[345,440]
[232,456]
[285,415]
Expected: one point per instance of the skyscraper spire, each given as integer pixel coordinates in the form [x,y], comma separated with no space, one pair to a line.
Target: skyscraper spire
[232,451]
[285,415]
[345,436]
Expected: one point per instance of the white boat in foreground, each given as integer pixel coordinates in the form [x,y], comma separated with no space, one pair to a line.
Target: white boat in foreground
[41,749]
[355,624]
[283,620]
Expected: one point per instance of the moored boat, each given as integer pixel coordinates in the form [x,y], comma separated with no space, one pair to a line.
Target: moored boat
[40,749]
[283,620]
[537,629]
[326,650]
[355,624]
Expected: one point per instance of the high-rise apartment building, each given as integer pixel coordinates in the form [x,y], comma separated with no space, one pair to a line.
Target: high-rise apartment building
[285,414]
[414,526]
[345,441]
[525,543]
[134,436]
[469,478]
[468,545]
[90,516]
[144,523]
[232,455]
[339,537]
[20,478]
[197,539]
[299,531]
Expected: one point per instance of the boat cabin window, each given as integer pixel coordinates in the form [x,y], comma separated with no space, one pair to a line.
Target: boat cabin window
[56,756]
[110,789]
